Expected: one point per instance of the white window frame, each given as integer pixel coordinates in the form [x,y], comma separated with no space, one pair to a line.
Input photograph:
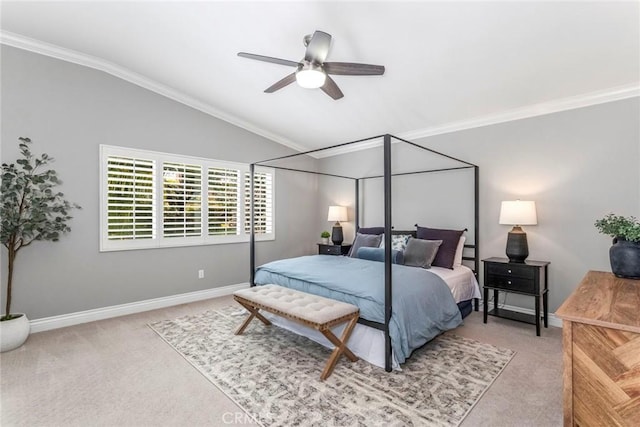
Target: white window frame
[158,240]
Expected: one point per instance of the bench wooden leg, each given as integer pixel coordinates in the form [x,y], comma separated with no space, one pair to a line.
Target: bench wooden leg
[254,313]
[341,347]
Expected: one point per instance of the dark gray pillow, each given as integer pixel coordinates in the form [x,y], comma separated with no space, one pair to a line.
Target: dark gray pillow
[421,253]
[371,230]
[364,241]
[447,252]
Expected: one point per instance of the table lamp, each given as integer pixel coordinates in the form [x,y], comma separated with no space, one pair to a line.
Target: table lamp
[337,214]
[517,213]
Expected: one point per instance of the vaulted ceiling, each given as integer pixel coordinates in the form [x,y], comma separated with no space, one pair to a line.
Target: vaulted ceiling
[449,65]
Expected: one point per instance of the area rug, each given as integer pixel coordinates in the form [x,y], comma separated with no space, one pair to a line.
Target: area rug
[273,375]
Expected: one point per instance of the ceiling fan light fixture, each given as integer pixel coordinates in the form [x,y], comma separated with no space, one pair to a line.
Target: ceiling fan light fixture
[310,78]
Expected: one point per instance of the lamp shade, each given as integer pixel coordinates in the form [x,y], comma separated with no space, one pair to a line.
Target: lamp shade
[518,212]
[337,213]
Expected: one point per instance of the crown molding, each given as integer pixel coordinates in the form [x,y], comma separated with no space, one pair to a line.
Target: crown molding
[570,103]
[617,93]
[579,101]
[47,49]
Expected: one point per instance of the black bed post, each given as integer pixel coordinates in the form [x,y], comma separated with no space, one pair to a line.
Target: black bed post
[357,208]
[252,238]
[387,252]
[476,201]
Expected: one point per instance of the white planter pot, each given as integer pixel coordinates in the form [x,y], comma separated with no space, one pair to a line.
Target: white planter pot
[324,240]
[14,332]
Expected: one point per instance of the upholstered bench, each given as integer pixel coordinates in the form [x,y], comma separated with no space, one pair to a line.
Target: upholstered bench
[311,310]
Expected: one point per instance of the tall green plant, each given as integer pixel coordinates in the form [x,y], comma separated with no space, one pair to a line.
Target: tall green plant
[30,209]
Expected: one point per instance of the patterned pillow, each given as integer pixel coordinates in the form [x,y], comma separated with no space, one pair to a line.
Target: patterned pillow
[398,241]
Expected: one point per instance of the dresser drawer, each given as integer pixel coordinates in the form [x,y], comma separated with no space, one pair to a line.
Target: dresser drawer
[511,270]
[329,250]
[517,284]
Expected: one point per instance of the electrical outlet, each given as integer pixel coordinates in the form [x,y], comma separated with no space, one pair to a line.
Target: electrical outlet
[200,274]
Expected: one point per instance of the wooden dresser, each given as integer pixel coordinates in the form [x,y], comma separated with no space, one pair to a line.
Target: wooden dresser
[601,340]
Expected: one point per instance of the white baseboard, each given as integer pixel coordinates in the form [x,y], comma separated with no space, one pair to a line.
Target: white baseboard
[61,321]
[55,322]
[553,320]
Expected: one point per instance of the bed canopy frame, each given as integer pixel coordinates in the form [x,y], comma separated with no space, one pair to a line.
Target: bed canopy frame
[388,229]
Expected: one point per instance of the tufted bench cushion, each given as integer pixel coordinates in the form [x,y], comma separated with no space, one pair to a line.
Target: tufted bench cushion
[311,310]
[304,307]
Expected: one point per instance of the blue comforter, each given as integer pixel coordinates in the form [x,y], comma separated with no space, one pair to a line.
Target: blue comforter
[422,305]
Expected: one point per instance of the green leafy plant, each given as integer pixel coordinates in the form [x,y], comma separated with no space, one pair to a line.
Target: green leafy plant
[30,209]
[325,235]
[617,226]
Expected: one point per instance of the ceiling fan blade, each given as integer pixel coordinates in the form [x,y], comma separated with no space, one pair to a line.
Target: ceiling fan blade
[281,83]
[331,88]
[268,59]
[318,47]
[352,69]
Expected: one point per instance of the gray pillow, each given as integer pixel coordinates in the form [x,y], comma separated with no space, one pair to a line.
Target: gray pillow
[421,253]
[364,241]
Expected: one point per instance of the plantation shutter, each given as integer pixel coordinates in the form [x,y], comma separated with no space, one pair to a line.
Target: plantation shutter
[182,197]
[130,198]
[263,206]
[223,206]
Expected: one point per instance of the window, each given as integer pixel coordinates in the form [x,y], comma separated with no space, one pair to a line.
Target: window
[223,197]
[182,201]
[262,209]
[151,199]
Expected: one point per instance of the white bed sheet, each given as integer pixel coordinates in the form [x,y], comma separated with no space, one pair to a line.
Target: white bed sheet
[368,343]
[461,281]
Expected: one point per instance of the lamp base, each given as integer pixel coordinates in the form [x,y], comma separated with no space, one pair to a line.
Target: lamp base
[336,234]
[517,247]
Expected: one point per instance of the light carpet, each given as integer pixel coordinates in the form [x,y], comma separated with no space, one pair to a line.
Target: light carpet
[273,375]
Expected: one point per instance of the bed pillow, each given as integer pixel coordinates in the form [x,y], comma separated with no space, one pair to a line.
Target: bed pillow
[364,241]
[421,253]
[377,254]
[371,230]
[457,259]
[447,251]
[398,241]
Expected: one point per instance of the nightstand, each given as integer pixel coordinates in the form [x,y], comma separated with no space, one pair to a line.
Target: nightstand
[333,249]
[526,278]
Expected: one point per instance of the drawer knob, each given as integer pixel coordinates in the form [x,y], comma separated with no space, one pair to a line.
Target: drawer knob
[509,271]
[509,282]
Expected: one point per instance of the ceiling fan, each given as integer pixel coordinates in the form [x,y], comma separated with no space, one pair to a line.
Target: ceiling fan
[312,72]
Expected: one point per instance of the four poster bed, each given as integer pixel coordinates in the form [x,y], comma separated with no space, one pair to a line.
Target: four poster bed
[401,307]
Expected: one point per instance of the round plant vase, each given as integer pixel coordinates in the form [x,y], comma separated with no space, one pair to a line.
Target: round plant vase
[625,258]
[14,332]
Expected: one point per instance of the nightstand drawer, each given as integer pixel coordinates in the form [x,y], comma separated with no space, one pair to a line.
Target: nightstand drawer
[512,270]
[517,284]
[329,250]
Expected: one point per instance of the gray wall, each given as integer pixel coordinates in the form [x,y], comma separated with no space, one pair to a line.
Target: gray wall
[576,165]
[68,110]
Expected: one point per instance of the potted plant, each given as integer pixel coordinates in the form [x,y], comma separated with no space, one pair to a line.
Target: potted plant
[625,252]
[30,210]
[324,237]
